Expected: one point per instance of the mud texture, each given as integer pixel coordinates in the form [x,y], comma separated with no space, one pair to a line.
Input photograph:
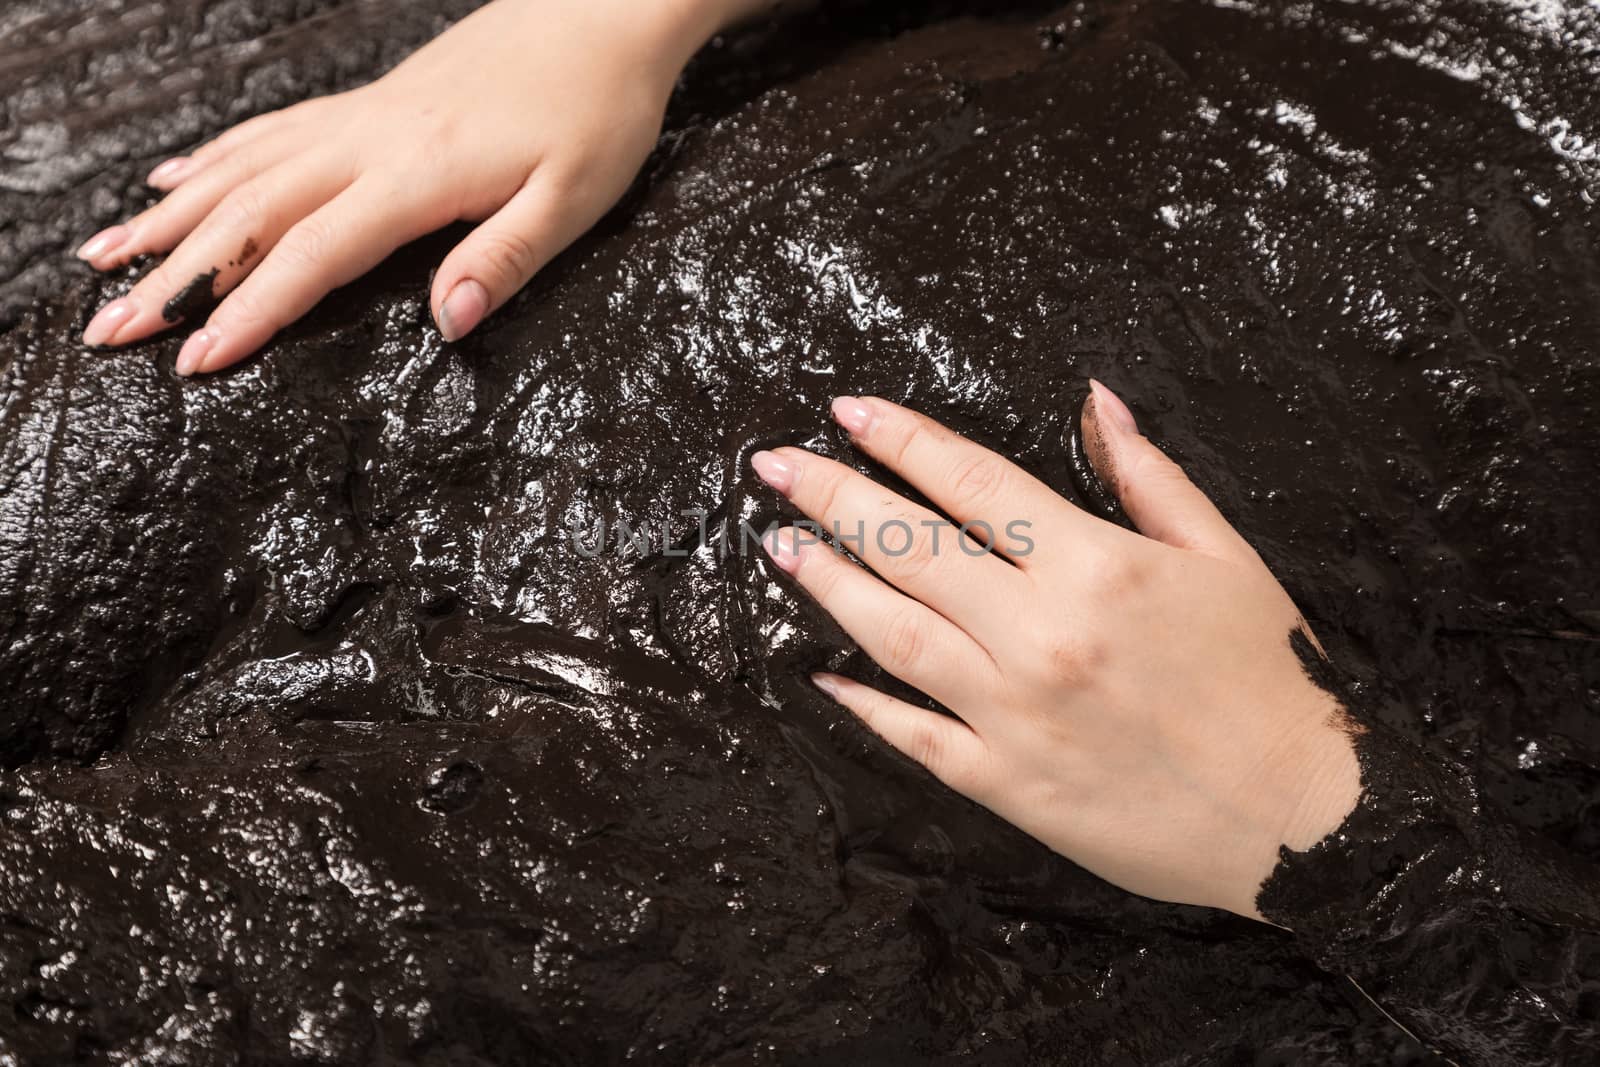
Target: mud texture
[320,743]
[194,299]
[1428,881]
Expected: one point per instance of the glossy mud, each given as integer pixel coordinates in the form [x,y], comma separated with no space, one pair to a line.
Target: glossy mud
[1465,926]
[319,745]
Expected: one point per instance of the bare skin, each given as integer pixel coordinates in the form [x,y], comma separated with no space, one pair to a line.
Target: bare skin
[530,117]
[1130,699]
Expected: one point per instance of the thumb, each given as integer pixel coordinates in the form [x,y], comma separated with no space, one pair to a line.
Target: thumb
[1160,499]
[497,259]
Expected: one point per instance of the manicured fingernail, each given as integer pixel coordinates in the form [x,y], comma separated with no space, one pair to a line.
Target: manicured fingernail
[463,308]
[784,548]
[103,242]
[108,320]
[169,172]
[774,470]
[192,356]
[1112,406]
[828,683]
[855,415]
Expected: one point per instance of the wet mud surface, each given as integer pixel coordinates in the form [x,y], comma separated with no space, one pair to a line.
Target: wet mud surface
[321,743]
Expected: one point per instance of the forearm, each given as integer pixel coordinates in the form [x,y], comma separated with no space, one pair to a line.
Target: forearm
[694,22]
[1475,935]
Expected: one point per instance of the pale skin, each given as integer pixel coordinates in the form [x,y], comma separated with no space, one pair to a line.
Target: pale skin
[1130,699]
[528,117]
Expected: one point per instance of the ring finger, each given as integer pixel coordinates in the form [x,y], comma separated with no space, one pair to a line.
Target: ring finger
[913,548]
[222,250]
[160,227]
[915,644]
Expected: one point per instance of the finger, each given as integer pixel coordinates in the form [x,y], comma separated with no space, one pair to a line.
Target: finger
[969,482]
[501,255]
[257,127]
[334,245]
[916,645]
[1155,492]
[918,551]
[238,135]
[946,747]
[221,250]
[170,173]
[163,226]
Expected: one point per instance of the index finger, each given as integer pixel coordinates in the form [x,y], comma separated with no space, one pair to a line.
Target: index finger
[968,482]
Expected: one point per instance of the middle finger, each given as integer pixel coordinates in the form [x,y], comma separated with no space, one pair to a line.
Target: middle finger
[221,251]
[916,550]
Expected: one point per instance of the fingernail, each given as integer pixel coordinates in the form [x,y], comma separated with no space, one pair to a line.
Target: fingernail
[774,470]
[192,356]
[170,171]
[108,320]
[1108,402]
[854,414]
[828,683]
[462,310]
[103,242]
[784,548]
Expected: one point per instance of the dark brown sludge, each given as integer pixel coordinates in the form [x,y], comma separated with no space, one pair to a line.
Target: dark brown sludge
[321,741]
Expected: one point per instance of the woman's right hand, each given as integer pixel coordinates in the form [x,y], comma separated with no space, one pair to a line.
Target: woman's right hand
[1132,700]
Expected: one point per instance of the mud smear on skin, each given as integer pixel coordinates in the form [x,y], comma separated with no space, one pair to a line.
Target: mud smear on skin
[1426,875]
[1094,472]
[320,743]
[193,299]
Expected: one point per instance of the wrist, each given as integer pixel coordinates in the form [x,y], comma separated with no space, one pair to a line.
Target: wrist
[1329,782]
[682,27]
[1407,851]
[1317,787]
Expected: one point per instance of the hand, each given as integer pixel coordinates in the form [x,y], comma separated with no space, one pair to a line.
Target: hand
[530,117]
[1131,700]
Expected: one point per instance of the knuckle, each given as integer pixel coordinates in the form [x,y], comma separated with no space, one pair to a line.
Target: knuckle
[826,574]
[243,210]
[243,308]
[1167,473]
[160,282]
[564,180]
[917,556]
[903,641]
[977,479]
[866,707]
[964,774]
[432,207]
[831,481]
[1109,577]
[507,254]
[307,246]
[446,128]
[900,432]
[1072,659]
[926,745]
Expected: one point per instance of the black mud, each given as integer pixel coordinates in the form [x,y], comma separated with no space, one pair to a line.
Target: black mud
[321,744]
[194,298]
[1462,923]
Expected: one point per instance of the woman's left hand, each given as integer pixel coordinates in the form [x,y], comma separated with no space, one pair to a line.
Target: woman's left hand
[528,117]
[1130,699]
